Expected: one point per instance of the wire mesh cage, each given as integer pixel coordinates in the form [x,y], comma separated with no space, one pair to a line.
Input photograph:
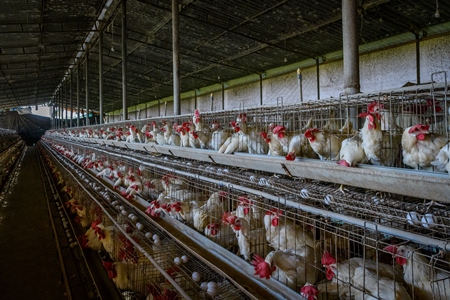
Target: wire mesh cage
[351,242]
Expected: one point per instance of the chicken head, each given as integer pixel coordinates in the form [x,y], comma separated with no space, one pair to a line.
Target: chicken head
[419,131]
[399,253]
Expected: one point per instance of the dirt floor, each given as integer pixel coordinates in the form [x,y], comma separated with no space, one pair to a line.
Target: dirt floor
[29,265]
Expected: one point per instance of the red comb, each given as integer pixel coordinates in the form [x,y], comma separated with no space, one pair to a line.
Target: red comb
[372,105]
[262,268]
[309,291]
[278,129]
[328,259]
[391,248]
[227,218]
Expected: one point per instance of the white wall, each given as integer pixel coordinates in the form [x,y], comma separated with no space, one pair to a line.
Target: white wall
[388,69]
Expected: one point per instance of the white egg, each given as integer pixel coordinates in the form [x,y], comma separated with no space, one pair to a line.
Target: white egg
[204,286]
[177,261]
[413,218]
[196,276]
[212,291]
[139,226]
[157,242]
[184,259]
[134,218]
[212,284]
[148,235]
[155,237]
[130,216]
[429,221]
[124,212]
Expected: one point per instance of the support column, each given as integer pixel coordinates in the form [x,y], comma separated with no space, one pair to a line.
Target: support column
[52,113]
[87,85]
[417,57]
[66,100]
[62,104]
[176,59]
[71,98]
[78,94]
[318,78]
[223,96]
[100,74]
[124,60]
[350,42]
[261,89]
[60,107]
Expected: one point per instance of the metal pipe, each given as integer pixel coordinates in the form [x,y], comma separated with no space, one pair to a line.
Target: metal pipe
[318,78]
[124,60]
[78,94]
[87,85]
[71,97]
[299,79]
[100,73]
[195,99]
[66,95]
[260,89]
[62,104]
[60,107]
[417,57]
[176,59]
[350,49]
[211,98]
[52,113]
[223,96]
[159,108]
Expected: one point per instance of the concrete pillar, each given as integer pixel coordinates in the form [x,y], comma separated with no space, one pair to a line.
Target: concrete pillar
[71,97]
[417,57]
[78,94]
[176,59]
[66,100]
[124,60]
[100,74]
[87,85]
[60,107]
[350,45]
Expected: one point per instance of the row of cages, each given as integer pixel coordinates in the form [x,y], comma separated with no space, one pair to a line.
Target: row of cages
[360,244]
[7,139]
[8,159]
[134,251]
[326,124]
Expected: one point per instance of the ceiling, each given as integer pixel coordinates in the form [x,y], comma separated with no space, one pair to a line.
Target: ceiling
[219,40]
